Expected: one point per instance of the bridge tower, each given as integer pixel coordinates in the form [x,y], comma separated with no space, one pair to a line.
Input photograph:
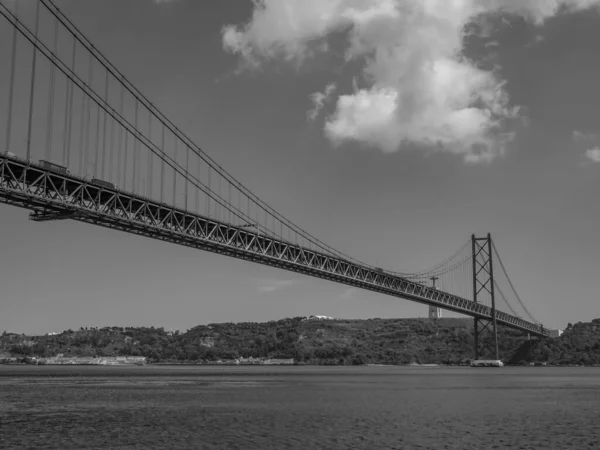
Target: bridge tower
[483,285]
[434,311]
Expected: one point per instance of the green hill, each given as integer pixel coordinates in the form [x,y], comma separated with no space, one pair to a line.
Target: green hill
[383,341]
[308,341]
[578,345]
[379,341]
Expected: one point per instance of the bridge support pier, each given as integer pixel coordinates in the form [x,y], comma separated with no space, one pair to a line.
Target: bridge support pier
[483,283]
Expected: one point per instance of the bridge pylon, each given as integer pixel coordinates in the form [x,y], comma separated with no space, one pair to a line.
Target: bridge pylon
[483,284]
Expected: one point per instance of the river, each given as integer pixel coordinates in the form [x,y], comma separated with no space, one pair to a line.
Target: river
[259,407]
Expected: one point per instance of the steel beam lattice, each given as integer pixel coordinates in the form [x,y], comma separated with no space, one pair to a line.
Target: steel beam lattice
[483,283]
[49,193]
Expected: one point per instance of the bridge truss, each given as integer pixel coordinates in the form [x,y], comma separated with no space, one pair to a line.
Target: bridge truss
[50,194]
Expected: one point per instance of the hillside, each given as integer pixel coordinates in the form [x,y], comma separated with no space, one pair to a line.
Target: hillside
[382,341]
[579,345]
[378,341]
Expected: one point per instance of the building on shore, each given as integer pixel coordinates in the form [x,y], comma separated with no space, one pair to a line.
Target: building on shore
[435,312]
[555,333]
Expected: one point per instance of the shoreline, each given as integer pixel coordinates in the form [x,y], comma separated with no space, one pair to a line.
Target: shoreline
[214,364]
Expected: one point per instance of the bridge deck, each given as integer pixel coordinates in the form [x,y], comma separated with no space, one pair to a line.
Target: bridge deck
[44,191]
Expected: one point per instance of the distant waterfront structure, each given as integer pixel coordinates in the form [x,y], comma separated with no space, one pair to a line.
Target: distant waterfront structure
[555,333]
[316,317]
[434,311]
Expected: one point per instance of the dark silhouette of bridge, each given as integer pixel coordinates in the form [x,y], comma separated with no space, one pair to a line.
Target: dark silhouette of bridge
[78,141]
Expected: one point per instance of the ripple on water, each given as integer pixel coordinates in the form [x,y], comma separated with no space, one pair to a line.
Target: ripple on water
[276,408]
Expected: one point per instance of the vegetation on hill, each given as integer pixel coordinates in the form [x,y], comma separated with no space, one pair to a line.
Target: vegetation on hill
[377,341]
[578,345]
[382,341]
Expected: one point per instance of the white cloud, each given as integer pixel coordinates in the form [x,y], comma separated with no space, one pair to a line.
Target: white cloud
[593,154]
[418,86]
[588,139]
[319,99]
[583,136]
[274,285]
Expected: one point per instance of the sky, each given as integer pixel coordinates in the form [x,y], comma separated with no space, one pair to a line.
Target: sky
[390,129]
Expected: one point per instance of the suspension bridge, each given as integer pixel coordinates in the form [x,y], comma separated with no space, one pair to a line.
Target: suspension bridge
[78,141]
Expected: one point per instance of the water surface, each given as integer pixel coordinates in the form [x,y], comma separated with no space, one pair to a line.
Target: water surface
[260,407]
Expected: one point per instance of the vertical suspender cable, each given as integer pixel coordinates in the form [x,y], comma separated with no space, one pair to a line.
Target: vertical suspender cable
[126,159]
[97,156]
[88,115]
[120,180]
[218,207]
[208,197]
[258,227]
[465,278]
[69,111]
[162,167]
[32,88]
[103,158]
[198,169]
[175,175]
[82,120]
[150,156]
[187,171]
[11,84]
[52,87]
[125,153]
[135,149]
[111,151]
[248,206]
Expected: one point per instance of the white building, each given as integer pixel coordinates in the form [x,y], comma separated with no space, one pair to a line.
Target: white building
[435,312]
[555,333]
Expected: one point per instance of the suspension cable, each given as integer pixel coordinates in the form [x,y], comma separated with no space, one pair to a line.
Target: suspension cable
[11,84]
[503,297]
[54,10]
[512,286]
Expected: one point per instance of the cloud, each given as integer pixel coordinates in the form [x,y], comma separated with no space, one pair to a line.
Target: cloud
[588,139]
[418,86]
[274,285]
[319,99]
[537,11]
[582,136]
[593,154]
